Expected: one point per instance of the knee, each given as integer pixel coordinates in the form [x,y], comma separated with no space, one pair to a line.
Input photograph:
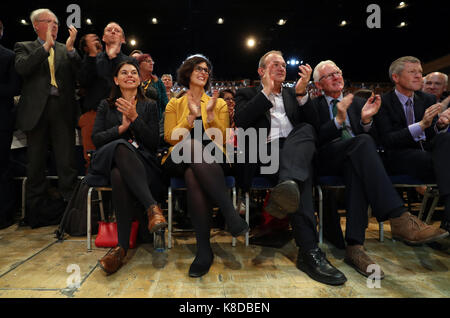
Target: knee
[116,177]
[365,140]
[305,130]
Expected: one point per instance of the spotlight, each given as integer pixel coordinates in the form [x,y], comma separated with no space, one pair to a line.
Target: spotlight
[402,24]
[24,22]
[88,21]
[251,42]
[402,5]
[281,22]
[154,20]
[343,23]
[220,21]
[133,42]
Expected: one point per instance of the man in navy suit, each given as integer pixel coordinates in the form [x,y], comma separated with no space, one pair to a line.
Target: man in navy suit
[9,87]
[413,130]
[347,149]
[47,109]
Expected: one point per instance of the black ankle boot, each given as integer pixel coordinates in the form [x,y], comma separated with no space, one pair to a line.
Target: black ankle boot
[201,265]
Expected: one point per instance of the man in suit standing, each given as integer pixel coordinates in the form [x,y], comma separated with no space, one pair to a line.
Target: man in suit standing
[346,148]
[283,112]
[47,109]
[413,130]
[9,87]
[96,76]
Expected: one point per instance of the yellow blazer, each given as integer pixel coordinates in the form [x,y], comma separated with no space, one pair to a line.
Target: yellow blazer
[176,114]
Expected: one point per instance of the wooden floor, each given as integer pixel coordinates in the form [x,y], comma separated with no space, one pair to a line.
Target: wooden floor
[34,264]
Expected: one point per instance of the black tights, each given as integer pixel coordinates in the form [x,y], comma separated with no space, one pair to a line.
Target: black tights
[206,186]
[130,191]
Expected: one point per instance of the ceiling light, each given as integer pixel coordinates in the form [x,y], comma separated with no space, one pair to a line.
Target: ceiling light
[24,22]
[133,42]
[402,5]
[343,23]
[88,21]
[281,22]
[154,20]
[251,42]
[220,21]
[402,24]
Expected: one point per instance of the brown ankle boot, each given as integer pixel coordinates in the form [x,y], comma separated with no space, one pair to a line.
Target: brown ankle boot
[356,257]
[156,219]
[410,229]
[112,261]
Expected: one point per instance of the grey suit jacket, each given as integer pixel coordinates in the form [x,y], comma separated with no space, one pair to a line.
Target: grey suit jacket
[32,65]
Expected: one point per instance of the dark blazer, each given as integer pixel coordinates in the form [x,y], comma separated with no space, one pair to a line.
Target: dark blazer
[32,65]
[9,87]
[145,128]
[96,77]
[105,135]
[253,108]
[391,120]
[327,129]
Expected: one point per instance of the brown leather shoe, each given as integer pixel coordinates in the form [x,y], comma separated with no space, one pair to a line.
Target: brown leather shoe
[112,261]
[156,219]
[356,257]
[408,228]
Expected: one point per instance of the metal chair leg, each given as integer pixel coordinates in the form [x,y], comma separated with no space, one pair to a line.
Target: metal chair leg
[89,225]
[169,216]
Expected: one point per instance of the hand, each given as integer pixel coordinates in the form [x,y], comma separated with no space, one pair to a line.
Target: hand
[444,103]
[267,79]
[211,105]
[430,113]
[91,43]
[113,50]
[371,108]
[342,107]
[126,122]
[305,75]
[444,119]
[127,108]
[49,41]
[71,39]
[194,109]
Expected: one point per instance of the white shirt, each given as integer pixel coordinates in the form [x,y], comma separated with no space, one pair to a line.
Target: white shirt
[280,125]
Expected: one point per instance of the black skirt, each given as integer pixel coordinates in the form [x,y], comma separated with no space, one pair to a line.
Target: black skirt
[102,162]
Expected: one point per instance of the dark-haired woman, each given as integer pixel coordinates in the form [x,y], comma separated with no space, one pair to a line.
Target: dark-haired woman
[205,181]
[126,136]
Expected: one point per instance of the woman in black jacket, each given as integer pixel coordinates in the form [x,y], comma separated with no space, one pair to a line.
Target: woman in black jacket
[126,136]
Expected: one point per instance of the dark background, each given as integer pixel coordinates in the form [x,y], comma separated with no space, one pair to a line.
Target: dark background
[311,33]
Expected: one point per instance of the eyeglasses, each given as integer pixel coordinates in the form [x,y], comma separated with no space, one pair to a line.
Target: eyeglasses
[331,75]
[149,61]
[200,69]
[49,21]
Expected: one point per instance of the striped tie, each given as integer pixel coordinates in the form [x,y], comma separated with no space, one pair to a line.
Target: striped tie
[345,133]
[51,64]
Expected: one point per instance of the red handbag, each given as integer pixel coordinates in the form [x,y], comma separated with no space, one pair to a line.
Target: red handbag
[107,234]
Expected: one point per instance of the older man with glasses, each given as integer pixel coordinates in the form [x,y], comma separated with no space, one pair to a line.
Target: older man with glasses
[347,148]
[47,109]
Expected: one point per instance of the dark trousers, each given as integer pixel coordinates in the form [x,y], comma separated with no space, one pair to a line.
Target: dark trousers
[51,130]
[6,194]
[429,165]
[296,153]
[366,182]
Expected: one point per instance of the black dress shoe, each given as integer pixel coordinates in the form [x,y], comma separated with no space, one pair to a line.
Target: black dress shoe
[284,199]
[200,268]
[315,264]
[238,227]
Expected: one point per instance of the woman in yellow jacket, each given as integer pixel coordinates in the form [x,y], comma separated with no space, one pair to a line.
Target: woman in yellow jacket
[187,119]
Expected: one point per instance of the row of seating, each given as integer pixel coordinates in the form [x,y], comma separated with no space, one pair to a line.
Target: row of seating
[258,183]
